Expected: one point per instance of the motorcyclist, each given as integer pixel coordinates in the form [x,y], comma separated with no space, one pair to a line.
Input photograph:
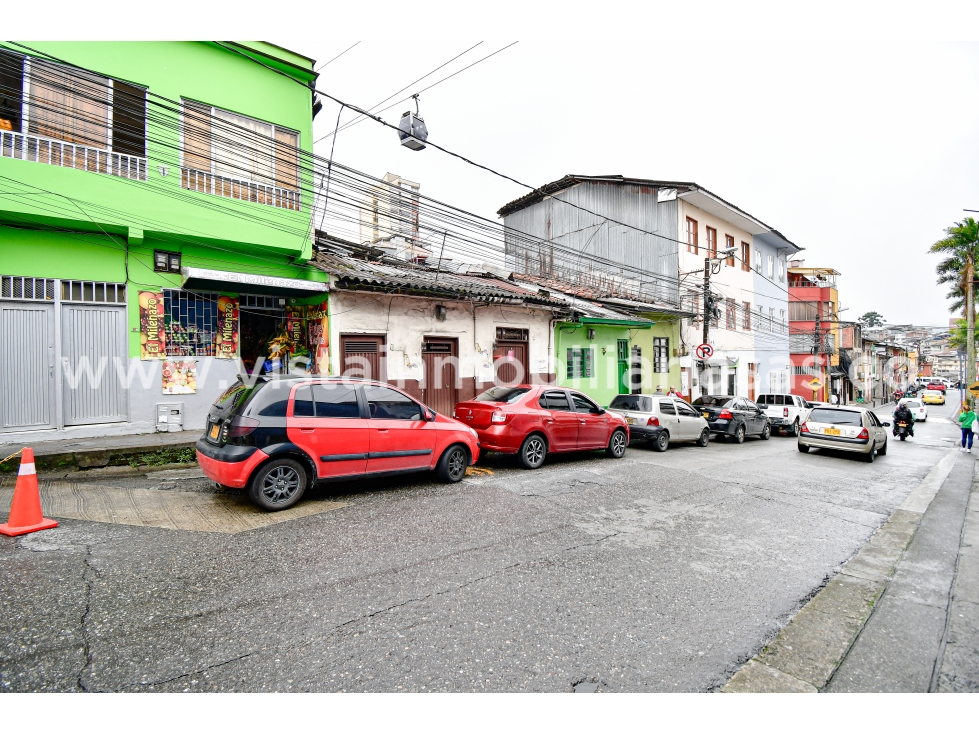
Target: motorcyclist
[904,415]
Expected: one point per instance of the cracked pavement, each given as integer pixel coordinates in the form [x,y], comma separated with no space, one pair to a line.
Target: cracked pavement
[656,572]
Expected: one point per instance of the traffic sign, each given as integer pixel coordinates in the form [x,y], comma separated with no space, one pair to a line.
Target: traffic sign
[704,351]
[815,384]
[974,388]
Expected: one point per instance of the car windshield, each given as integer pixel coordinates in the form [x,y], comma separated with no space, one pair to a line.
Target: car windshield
[719,400]
[502,394]
[836,417]
[631,402]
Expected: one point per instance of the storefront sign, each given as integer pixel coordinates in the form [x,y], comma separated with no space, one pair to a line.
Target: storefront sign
[152,337]
[295,319]
[318,329]
[253,279]
[226,346]
[179,377]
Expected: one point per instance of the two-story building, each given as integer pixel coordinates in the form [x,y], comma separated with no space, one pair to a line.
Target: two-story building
[154,231]
[814,331]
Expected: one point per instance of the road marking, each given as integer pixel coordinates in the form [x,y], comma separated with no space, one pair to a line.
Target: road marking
[478,471]
[196,511]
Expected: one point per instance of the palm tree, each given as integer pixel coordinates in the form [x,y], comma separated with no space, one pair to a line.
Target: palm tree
[958,271]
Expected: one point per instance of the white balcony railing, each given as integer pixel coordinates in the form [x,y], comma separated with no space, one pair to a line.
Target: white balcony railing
[59,153]
[210,183]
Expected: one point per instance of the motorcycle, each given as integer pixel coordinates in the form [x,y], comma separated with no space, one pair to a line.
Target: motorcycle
[902,430]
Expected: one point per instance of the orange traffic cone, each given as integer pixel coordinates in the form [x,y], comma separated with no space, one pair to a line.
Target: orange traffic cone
[25,510]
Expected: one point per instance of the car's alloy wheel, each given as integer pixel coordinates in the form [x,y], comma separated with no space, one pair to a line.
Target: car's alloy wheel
[869,458]
[662,441]
[795,429]
[532,451]
[278,485]
[617,444]
[452,465]
[767,433]
[739,434]
[704,437]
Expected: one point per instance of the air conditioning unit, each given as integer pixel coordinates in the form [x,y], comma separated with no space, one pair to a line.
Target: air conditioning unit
[169,417]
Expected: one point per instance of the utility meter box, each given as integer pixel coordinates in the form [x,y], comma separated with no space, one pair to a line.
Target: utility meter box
[169,417]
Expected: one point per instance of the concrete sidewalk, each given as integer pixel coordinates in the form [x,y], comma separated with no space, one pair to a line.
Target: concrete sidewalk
[902,615]
[144,449]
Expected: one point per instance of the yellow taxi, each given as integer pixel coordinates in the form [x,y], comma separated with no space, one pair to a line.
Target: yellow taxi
[933,397]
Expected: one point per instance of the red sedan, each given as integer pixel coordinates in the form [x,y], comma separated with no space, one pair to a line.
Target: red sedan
[534,420]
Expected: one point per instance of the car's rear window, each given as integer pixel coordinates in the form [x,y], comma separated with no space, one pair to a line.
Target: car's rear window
[234,397]
[713,400]
[912,403]
[632,402]
[836,417]
[502,394]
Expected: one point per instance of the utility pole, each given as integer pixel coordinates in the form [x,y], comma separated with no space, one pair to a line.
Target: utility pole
[816,350]
[708,309]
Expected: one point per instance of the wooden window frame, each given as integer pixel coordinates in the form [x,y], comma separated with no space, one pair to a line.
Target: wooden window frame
[746,321]
[729,245]
[745,256]
[731,317]
[692,247]
[711,242]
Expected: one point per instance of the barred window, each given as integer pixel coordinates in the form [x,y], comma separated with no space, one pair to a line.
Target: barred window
[190,323]
[661,354]
[747,316]
[93,292]
[30,289]
[732,314]
[580,362]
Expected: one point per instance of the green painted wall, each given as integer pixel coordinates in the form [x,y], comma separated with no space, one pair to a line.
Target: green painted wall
[664,325]
[202,71]
[603,386]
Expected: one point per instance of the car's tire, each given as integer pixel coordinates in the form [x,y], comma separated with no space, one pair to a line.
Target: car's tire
[452,464]
[617,444]
[794,431]
[661,442]
[767,433]
[704,438]
[869,457]
[739,434]
[278,485]
[804,449]
[883,449]
[532,451]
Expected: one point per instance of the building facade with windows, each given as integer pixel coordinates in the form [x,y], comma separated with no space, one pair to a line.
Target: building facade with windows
[155,229]
[814,334]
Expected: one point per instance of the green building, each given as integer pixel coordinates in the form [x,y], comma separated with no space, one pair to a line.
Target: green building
[155,226]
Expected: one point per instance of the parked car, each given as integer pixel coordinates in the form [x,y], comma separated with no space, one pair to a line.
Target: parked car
[285,433]
[785,412]
[733,417]
[532,421]
[918,409]
[661,419]
[933,397]
[844,429]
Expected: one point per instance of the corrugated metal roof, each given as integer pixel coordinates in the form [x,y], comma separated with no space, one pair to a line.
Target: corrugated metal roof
[358,274]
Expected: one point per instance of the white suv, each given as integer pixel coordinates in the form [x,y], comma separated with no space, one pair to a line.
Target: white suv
[785,412]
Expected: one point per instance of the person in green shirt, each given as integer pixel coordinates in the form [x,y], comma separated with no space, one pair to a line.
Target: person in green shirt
[966,417]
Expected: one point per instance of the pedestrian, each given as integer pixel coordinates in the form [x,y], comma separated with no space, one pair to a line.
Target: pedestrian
[966,418]
[659,390]
[834,399]
[673,393]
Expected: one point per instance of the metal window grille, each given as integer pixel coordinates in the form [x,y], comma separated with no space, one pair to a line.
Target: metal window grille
[622,348]
[661,354]
[248,300]
[190,323]
[29,147]
[87,291]
[580,362]
[731,314]
[26,289]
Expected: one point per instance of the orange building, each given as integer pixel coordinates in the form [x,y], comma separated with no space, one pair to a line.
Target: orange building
[814,332]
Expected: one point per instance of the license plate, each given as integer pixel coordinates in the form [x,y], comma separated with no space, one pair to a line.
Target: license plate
[630,421]
[215,430]
[706,415]
[831,431]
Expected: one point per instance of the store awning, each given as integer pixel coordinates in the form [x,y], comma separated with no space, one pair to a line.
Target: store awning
[202,279]
[629,323]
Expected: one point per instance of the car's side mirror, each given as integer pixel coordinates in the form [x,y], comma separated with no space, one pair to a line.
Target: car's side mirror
[886,424]
[601,411]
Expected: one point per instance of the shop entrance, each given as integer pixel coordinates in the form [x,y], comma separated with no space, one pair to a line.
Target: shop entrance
[260,318]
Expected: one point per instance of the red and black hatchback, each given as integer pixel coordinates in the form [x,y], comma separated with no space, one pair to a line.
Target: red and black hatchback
[534,420]
[285,433]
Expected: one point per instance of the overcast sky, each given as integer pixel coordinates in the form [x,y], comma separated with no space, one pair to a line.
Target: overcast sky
[860,148]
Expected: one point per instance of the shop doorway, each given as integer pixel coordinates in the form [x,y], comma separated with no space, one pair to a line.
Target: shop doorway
[260,319]
[362,355]
[510,356]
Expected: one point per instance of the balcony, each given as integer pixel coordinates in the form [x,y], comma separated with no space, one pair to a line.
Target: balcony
[232,188]
[69,155]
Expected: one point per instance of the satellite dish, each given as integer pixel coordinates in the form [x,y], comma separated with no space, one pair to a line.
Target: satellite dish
[412,130]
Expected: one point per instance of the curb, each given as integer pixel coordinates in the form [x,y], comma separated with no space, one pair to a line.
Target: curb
[107,458]
[805,653]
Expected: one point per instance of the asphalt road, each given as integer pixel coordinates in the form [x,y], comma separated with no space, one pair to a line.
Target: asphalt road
[656,572]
